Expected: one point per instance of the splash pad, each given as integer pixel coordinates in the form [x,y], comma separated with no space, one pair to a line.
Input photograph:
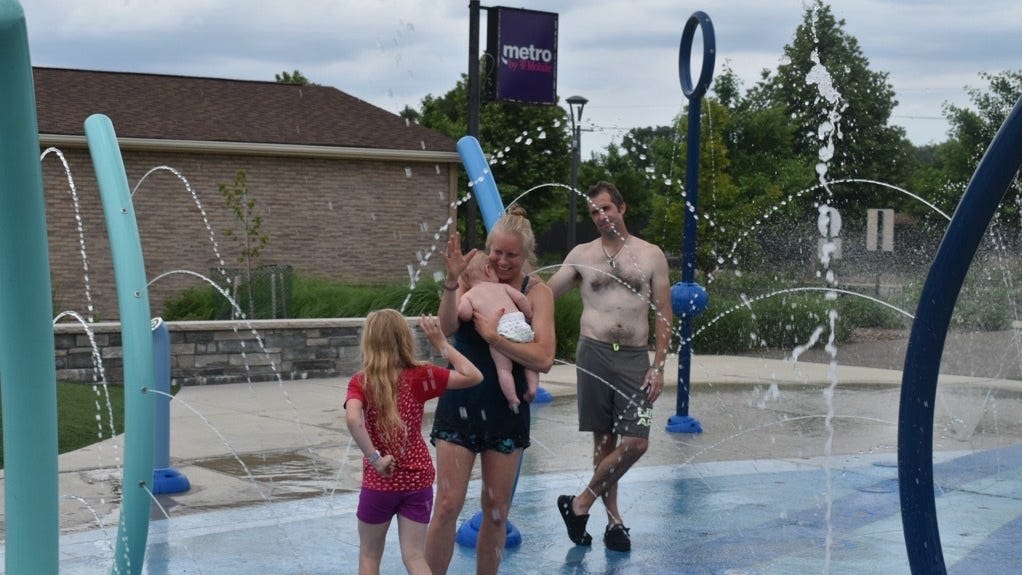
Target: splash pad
[31,497]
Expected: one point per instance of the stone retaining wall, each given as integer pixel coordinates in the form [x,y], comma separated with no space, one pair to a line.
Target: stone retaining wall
[207,352]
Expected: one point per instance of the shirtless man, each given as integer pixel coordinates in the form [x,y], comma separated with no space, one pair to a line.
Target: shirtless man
[623,279]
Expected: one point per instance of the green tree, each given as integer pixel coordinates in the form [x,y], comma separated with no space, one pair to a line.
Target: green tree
[411,114]
[972,130]
[826,85]
[822,110]
[975,129]
[720,206]
[447,114]
[638,168]
[940,177]
[528,145]
[764,164]
[295,77]
[250,239]
[760,139]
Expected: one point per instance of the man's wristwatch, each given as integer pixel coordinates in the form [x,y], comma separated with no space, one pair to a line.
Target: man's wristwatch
[657,368]
[374,457]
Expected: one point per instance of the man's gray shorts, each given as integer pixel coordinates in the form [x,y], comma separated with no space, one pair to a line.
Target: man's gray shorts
[610,398]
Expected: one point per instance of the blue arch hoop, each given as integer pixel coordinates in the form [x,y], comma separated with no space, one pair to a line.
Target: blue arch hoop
[689,299]
[697,20]
[926,342]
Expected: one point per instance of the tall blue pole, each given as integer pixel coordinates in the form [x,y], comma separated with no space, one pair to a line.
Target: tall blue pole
[27,367]
[166,479]
[926,342]
[137,343]
[689,299]
[161,383]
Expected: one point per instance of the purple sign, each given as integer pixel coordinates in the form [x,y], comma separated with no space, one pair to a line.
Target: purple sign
[523,44]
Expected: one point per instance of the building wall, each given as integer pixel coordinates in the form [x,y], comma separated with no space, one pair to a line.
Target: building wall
[349,220]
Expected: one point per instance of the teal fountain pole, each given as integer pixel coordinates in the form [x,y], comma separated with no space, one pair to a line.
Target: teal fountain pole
[27,367]
[27,359]
[136,341]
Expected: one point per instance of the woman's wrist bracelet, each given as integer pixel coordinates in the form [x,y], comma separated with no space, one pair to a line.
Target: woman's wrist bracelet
[450,288]
[657,368]
[374,457]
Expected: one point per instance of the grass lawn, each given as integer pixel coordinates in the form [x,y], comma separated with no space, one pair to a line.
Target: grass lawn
[83,415]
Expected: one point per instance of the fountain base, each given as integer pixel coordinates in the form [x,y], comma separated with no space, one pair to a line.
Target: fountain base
[469,532]
[169,480]
[683,424]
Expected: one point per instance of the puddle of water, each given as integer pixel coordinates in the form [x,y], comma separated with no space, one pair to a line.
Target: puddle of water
[289,475]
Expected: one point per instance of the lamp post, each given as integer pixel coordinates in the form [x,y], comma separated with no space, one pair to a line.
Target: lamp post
[575,106]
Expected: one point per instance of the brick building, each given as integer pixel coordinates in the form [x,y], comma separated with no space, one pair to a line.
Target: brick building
[346,191]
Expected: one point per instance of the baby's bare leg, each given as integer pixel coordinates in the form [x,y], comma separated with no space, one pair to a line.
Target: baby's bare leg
[532,379]
[506,378]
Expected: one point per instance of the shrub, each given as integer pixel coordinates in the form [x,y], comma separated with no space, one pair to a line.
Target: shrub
[746,312]
[862,312]
[263,292]
[197,303]
[784,320]
[316,297]
[567,312]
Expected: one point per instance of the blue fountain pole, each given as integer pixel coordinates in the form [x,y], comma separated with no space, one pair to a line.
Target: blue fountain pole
[994,174]
[689,299]
[137,343]
[480,178]
[27,366]
[166,479]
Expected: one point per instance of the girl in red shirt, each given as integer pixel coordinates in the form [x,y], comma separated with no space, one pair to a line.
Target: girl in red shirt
[383,409]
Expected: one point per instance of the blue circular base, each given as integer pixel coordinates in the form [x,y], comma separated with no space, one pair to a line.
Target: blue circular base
[542,396]
[169,480]
[683,424]
[469,532]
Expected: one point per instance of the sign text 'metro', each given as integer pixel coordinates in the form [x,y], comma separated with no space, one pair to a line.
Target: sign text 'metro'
[523,45]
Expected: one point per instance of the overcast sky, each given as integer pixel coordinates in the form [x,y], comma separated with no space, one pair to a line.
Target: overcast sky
[621,55]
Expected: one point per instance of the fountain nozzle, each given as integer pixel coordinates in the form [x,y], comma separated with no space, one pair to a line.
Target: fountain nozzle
[688,299]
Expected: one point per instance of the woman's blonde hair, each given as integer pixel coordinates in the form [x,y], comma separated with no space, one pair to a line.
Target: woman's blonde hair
[388,346]
[514,222]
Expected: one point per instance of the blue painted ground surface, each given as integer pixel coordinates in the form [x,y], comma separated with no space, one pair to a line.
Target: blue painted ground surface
[763,517]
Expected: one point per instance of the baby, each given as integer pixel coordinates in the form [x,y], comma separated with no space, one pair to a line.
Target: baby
[486,294]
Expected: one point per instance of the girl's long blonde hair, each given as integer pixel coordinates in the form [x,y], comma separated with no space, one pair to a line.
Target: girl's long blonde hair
[388,346]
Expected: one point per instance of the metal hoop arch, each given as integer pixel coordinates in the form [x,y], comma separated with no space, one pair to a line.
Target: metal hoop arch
[697,19]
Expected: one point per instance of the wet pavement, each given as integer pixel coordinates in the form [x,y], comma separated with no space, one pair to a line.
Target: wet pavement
[781,480]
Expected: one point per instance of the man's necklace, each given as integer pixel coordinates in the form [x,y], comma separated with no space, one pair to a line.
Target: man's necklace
[610,257]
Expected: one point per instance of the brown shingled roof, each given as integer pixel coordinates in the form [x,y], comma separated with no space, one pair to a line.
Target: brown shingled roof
[218,110]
